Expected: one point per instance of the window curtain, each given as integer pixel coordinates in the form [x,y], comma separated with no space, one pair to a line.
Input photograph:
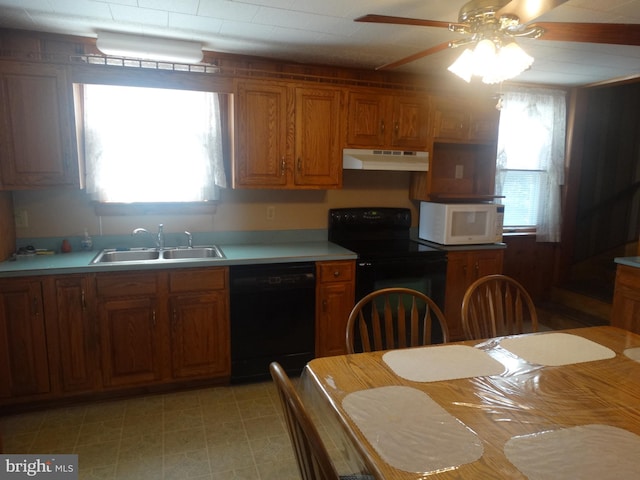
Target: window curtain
[532,137]
[152,145]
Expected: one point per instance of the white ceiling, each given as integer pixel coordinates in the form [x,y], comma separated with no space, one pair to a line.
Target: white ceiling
[323,31]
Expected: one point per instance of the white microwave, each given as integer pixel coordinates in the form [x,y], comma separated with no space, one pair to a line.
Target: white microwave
[461,223]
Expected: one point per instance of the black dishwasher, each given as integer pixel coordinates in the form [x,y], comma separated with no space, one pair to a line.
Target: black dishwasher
[272,318]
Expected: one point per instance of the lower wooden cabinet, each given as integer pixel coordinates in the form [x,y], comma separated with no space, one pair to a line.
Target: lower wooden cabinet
[463,268]
[335,297]
[24,367]
[73,335]
[199,310]
[71,332]
[625,312]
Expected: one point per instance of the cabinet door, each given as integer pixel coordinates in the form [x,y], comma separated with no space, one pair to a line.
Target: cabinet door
[200,335]
[37,139]
[261,142]
[75,333]
[486,262]
[410,119]
[318,129]
[457,282]
[367,117]
[483,125]
[335,297]
[625,312]
[130,341]
[24,367]
[450,122]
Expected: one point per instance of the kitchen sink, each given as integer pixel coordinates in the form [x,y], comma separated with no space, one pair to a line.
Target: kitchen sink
[195,252]
[109,255]
[133,255]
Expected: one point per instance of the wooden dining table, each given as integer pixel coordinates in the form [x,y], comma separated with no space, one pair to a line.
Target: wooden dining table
[550,405]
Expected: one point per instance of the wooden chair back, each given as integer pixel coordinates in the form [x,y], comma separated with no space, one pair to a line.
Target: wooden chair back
[311,455]
[497,305]
[392,318]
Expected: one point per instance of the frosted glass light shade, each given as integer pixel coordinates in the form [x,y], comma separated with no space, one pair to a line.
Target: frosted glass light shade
[492,64]
[149,48]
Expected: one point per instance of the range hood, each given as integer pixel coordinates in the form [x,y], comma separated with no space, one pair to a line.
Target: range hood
[396,160]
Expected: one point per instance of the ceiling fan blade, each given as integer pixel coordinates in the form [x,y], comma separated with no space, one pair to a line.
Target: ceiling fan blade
[609,33]
[373,18]
[415,56]
[527,10]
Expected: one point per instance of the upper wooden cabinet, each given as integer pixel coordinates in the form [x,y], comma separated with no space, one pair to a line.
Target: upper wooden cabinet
[465,121]
[287,136]
[462,147]
[378,120]
[37,134]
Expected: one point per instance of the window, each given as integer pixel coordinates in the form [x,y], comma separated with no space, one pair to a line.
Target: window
[152,145]
[530,163]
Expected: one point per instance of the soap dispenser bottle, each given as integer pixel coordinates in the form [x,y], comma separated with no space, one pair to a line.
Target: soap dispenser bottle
[86,243]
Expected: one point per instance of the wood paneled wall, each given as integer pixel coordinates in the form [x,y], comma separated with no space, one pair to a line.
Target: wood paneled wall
[7,226]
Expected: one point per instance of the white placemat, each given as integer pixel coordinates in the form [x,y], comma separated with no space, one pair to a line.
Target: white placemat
[445,362]
[410,431]
[633,353]
[584,452]
[553,349]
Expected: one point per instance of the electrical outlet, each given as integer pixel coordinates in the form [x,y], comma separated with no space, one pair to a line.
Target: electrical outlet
[459,172]
[21,218]
[271,212]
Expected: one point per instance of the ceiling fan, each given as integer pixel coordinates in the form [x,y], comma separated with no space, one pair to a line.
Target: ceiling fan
[500,21]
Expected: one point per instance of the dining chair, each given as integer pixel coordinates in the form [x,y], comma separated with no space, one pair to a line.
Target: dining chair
[497,305]
[395,317]
[311,455]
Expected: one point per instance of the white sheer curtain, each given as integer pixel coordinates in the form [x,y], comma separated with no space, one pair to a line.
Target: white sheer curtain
[532,137]
[152,144]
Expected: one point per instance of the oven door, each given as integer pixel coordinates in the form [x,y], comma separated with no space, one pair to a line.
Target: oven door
[425,274]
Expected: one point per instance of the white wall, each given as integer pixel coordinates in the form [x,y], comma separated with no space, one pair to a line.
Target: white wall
[60,213]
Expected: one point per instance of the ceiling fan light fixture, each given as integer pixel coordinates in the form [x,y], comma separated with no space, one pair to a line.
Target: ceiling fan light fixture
[149,48]
[492,63]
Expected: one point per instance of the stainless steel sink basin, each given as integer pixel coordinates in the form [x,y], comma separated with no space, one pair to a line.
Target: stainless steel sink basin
[195,252]
[133,255]
[145,254]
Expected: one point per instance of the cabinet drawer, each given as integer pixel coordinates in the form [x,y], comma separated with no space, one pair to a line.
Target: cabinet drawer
[126,285]
[336,271]
[198,279]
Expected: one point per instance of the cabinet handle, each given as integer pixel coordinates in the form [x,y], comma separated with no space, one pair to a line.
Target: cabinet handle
[153,318]
[336,273]
[83,299]
[464,269]
[283,167]
[396,127]
[299,165]
[324,305]
[34,306]
[477,268]
[382,126]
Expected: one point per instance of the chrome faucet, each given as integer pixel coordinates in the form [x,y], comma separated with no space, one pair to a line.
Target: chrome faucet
[189,239]
[159,238]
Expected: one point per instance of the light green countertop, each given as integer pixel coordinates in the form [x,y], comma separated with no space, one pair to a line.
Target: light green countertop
[80,262]
[628,261]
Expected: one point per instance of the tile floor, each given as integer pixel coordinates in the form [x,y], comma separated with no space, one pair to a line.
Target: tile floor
[235,432]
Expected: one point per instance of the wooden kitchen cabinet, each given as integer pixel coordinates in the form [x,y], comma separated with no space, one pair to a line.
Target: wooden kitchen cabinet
[71,330]
[24,366]
[199,311]
[37,128]
[463,268]
[132,327]
[469,121]
[463,148]
[378,120]
[287,136]
[335,297]
[625,312]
